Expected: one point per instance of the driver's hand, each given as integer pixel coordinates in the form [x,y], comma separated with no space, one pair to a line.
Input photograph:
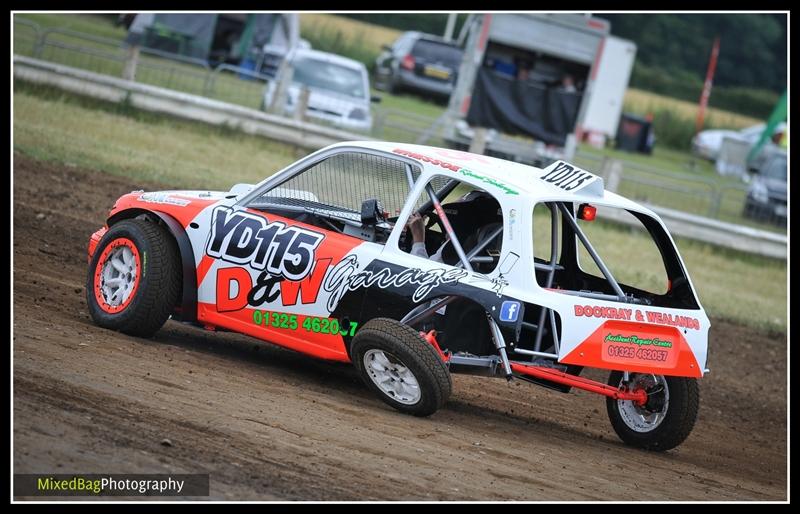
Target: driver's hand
[417,226]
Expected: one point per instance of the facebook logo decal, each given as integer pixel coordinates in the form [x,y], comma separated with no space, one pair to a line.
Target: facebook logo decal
[509,311]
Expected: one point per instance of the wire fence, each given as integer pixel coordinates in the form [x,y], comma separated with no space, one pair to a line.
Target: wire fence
[694,194]
[681,191]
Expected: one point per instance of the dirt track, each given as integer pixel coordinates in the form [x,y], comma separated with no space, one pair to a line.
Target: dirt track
[270,424]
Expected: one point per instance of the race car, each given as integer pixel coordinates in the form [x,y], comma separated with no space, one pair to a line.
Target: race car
[504,278]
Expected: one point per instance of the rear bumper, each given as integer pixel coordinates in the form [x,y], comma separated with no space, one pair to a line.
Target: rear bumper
[410,80]
[340,121]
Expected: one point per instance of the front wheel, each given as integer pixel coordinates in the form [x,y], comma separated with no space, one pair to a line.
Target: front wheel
[667,418]
[403,369]
[134,278]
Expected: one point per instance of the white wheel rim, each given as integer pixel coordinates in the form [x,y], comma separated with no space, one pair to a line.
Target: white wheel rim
[636,417]
[118,276]
[392,377]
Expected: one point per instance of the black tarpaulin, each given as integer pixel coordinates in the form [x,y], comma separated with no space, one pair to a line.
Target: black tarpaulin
[522,108]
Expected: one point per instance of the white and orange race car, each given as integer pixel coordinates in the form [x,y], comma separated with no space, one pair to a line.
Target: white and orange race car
[510,276]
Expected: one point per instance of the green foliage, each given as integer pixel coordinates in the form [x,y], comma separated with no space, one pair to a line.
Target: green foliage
[429,23]
[744,100]
[334,40]
[753,47]
[673,130]
[686,86]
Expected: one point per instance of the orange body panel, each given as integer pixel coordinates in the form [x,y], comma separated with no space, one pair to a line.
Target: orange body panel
[638,347]
[316,344]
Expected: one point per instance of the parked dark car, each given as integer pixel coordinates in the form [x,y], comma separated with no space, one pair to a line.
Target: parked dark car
[418,62]
[767,195]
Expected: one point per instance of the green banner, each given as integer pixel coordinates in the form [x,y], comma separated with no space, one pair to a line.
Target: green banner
[778,115]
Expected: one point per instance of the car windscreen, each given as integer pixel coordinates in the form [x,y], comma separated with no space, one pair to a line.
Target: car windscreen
[434,51]
[776,169]
[319,74]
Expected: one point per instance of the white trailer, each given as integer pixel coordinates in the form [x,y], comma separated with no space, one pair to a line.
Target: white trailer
[533,85]
[605,98]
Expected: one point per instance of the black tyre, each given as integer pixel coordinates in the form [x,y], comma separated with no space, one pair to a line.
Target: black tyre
[667,418]
[134,278]
[403,369]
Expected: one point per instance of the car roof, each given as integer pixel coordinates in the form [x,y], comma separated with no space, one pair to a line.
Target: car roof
[329,57]
[503,176]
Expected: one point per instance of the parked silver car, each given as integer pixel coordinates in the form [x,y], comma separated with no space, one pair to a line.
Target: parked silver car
[338,87]
[767,195]
[707,143]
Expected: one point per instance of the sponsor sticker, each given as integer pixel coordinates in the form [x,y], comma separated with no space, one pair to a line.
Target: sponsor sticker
[163,198]
[509,311]
[571,178]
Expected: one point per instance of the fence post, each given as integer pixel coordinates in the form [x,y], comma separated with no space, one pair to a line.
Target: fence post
[39,45]
[478,144]
[611,169]
[302,105]
[208,85]
[716,201]
[129,72]
[283,79]
[378,121]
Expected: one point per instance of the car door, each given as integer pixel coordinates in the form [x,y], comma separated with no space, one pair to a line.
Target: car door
[283,259]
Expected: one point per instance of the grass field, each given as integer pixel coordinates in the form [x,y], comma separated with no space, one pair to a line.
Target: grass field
[369,35]
[642,102]
[70,129]
[53,126]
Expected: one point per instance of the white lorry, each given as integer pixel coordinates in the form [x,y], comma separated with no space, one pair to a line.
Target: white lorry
[537,84]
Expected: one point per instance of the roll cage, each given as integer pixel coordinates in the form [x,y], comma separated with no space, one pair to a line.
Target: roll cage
[557,273]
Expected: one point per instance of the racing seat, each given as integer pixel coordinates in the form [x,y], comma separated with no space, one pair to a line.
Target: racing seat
[474,217]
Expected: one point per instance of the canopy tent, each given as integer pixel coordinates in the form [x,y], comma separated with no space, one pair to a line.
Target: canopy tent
[217,38]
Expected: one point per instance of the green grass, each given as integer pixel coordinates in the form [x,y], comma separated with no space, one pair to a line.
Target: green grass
[123,141]
[92,24]
[410,103]
[63,128]
[746,289]
[643,102]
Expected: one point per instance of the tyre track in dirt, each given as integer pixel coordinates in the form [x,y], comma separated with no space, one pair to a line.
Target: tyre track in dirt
[267,423]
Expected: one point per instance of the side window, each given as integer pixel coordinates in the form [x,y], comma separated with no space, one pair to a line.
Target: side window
[543,233]
[475,216]
[334,193]
[627,250]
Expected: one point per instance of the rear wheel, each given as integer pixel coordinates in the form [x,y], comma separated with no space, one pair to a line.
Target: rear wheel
[134,278]
[665,421]
[403,369]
